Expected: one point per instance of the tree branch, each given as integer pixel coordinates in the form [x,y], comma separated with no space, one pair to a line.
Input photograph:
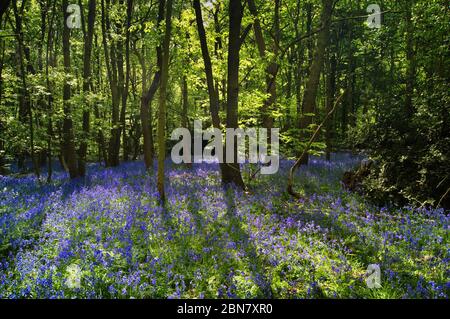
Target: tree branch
[297,164]
[244,34]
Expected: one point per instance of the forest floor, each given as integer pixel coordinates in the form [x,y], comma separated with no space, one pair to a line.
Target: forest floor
[106,236]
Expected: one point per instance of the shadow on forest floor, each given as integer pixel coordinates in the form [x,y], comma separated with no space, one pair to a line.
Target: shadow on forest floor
[254,261]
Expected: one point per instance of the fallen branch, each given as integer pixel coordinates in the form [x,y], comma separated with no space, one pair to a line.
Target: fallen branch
[297,164]
[443,196]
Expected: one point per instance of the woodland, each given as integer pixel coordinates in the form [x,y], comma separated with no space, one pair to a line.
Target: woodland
[93,206]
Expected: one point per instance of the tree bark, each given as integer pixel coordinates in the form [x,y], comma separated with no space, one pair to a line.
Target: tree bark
[50,61]
[348,116]
[231,172]
[125,144]
[212,92]
[410,57]
[3,170]
[272,67]
[331,91]
[112,72]
[162,101]
[185,102]
[68,136]
[88,38]
[309,99]
[147,96]
[25,105]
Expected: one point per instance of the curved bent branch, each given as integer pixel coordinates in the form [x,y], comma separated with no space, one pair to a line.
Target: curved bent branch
[297,164]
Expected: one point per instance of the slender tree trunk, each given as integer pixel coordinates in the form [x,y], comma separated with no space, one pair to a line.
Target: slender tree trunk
[272,68]
[68,136]
[348,116]
[289,85]
[125,144]
[147,97]
[298,54]
[185,102]
[101,144]
[212,92]
[112,72]
[136,131]
[310,43]
[121,107]
[331,91]
[231,172]
[146,119]
[3,170]
[309,99]
[410,57]
[220,84]
[25,106]
[50,61]
[88,38]
[162,101]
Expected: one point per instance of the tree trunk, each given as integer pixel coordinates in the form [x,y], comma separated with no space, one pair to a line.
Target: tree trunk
[410,57]
[25,105]
[220,84]
[101,144]
[146,120]
[68,137]
[162,101]
[88,37]
[298,54]
[126,86]
[331,91]
[51,61]
[310,42]
[3,170]
[147,96]
[231,172]
[185,102]
[272,68]
[212,92]
[112,72]
[309,98]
